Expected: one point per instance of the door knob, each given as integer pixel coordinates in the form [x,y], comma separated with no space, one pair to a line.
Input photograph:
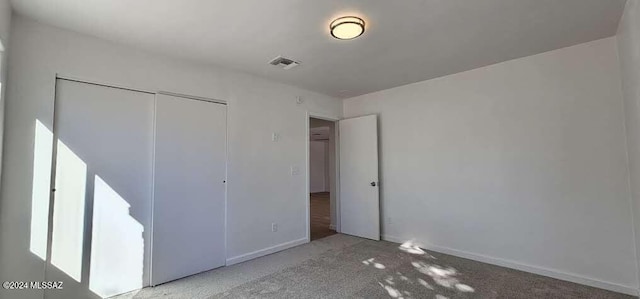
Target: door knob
[373,184]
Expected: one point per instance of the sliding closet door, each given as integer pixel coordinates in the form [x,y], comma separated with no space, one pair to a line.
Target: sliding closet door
[189,188]
[99,242]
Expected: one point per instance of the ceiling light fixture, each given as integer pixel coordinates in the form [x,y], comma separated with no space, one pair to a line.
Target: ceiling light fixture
[347,27]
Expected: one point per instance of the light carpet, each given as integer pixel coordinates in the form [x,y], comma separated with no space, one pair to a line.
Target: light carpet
[341,266]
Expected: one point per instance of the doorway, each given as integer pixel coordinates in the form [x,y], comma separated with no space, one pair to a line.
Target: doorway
[322,178]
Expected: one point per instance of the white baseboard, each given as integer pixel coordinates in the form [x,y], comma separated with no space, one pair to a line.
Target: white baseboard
[262,252]
[527,268]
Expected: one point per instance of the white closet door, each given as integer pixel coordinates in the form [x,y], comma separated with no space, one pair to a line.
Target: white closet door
[100,235]
[189,188]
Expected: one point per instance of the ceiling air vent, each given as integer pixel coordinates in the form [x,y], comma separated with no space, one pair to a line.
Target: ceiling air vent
[284,63]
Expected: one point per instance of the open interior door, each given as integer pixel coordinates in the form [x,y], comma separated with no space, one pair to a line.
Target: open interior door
[359,193]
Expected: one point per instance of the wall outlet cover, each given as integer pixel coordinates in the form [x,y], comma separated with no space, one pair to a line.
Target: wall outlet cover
[295,170]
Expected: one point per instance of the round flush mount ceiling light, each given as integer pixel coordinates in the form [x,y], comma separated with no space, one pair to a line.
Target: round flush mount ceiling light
[347,27]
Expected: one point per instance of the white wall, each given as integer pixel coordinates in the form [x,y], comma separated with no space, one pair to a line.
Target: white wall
[256,109]
[629,53]
[5,27]
[521,163]
[318,166]
[5,19]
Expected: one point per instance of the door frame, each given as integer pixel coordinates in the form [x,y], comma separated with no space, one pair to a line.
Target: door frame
[336,174]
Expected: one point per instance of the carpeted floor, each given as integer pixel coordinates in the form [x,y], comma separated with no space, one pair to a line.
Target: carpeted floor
[341,266]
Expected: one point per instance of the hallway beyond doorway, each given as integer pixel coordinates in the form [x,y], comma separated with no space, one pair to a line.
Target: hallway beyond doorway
[320,216]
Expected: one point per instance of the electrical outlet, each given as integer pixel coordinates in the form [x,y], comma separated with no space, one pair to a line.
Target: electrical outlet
[274,227]
[275,137]
[295,170]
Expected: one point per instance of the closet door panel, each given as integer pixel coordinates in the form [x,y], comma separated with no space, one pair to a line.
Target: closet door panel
[189,188]
[100,230]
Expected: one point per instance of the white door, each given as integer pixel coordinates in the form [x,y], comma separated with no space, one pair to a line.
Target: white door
[189,188]
[101,223]
[359,196]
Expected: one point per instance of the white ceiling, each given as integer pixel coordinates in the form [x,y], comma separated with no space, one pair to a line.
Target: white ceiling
[405,41]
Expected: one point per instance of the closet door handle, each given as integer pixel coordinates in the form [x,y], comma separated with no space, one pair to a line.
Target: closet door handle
[373,184]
